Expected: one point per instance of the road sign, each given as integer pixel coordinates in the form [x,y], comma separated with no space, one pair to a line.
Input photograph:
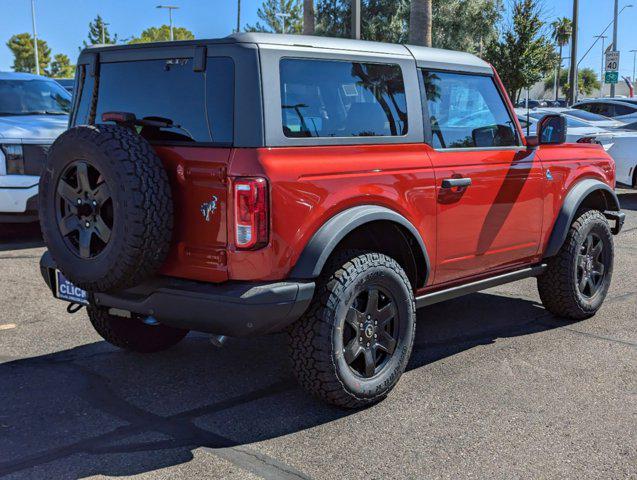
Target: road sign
[612,61]
[611,77]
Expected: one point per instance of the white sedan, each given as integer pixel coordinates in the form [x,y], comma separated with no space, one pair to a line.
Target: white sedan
[621,145]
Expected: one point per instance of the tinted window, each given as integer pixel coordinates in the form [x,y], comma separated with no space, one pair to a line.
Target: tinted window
[467,111]
[584,115]
[321,98]
[623,110]
[587,107]
[33,97]
[570,121]
[200,105]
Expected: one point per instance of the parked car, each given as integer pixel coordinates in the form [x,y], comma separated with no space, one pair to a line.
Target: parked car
[623,109]
[588,117]
[67,83]
[33,112]
[532,103]
[263,183]
[621,145]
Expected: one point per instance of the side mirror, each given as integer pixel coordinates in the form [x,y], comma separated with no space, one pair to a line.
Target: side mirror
[551,130]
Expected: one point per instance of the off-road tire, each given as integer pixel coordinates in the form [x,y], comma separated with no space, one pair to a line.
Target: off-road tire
[558,286]
[316,356]
[132,334]
[141,204]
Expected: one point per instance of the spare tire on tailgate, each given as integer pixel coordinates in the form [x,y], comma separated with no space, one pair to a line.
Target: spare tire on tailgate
[106,209]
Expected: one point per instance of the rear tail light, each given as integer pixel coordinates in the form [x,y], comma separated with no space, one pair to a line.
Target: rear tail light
[251,212]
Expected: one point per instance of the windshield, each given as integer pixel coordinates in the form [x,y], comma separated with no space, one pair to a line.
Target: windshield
[33,97]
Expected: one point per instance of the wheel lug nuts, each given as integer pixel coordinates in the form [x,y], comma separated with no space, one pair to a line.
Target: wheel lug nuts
[79,201]
[368,344]
[87,224]
[375,322]
[368,317]
[360,339]
[94,203]
[375,335]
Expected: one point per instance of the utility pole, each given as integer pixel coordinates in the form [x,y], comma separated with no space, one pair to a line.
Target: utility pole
[615,47]
[634,52]
[238,16]
[283,16]
[104,32]
[601,71]
[572,97]
[170,9]
[35,40]
[356,19]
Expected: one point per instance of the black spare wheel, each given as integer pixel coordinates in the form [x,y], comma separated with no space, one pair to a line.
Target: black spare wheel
[105,207]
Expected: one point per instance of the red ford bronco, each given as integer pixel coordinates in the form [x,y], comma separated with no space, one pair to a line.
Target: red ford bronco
[323,187]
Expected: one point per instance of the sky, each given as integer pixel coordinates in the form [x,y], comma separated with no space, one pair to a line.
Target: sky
[64,23]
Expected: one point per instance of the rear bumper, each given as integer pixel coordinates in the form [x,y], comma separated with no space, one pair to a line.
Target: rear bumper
[236,309]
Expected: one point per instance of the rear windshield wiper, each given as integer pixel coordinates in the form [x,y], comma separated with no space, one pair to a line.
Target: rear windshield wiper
[130,119]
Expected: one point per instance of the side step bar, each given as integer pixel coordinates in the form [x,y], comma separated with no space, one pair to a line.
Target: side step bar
[460,290]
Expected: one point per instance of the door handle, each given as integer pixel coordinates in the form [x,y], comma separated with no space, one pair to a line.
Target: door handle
[456,182]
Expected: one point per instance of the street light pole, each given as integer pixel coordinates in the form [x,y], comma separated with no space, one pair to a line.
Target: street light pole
[601,72]
[282,16]
[35,40]
[170,9]
[615,47]
[572,96]
[634,52]
[104,24]
[238,16]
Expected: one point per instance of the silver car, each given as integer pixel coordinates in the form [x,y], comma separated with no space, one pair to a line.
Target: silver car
[33,112]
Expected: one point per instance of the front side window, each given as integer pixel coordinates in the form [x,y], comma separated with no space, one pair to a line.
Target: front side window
[467,111]
[33,97]
[325,98]
[198,105]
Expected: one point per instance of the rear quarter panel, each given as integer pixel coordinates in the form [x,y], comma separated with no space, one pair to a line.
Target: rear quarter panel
[310,185]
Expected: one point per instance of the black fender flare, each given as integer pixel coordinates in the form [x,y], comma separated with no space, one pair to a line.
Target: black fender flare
[326,238]
[572,202]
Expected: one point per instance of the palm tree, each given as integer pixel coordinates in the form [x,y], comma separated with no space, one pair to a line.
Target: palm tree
[308,17]
[562,28]
[420,23]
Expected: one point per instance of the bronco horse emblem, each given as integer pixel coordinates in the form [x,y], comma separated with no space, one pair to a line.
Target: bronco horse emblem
[208,208]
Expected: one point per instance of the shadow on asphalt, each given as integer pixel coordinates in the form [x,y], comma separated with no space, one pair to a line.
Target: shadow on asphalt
[20,236]
[628,201]
[96,410]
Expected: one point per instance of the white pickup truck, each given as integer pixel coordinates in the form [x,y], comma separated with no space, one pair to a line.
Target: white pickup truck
[33,112]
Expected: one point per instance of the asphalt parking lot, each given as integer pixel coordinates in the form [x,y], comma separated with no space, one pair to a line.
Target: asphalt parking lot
[496,387]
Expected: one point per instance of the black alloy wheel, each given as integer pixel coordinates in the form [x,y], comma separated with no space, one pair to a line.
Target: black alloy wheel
[590,265]
[84,209]
[371,331]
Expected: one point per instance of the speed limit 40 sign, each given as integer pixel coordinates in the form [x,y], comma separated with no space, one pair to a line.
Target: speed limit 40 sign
[612,61]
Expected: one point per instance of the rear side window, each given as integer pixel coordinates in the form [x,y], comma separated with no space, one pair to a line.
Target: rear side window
[324,98]
[199,105]
[622,110]
[467,111]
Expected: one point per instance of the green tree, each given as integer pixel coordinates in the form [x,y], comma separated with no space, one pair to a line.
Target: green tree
[276,13]
[98,33]
[162,34]
[562,29]
[587,82]
[465,25]
[21,45]
[523,55]
[61,67]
